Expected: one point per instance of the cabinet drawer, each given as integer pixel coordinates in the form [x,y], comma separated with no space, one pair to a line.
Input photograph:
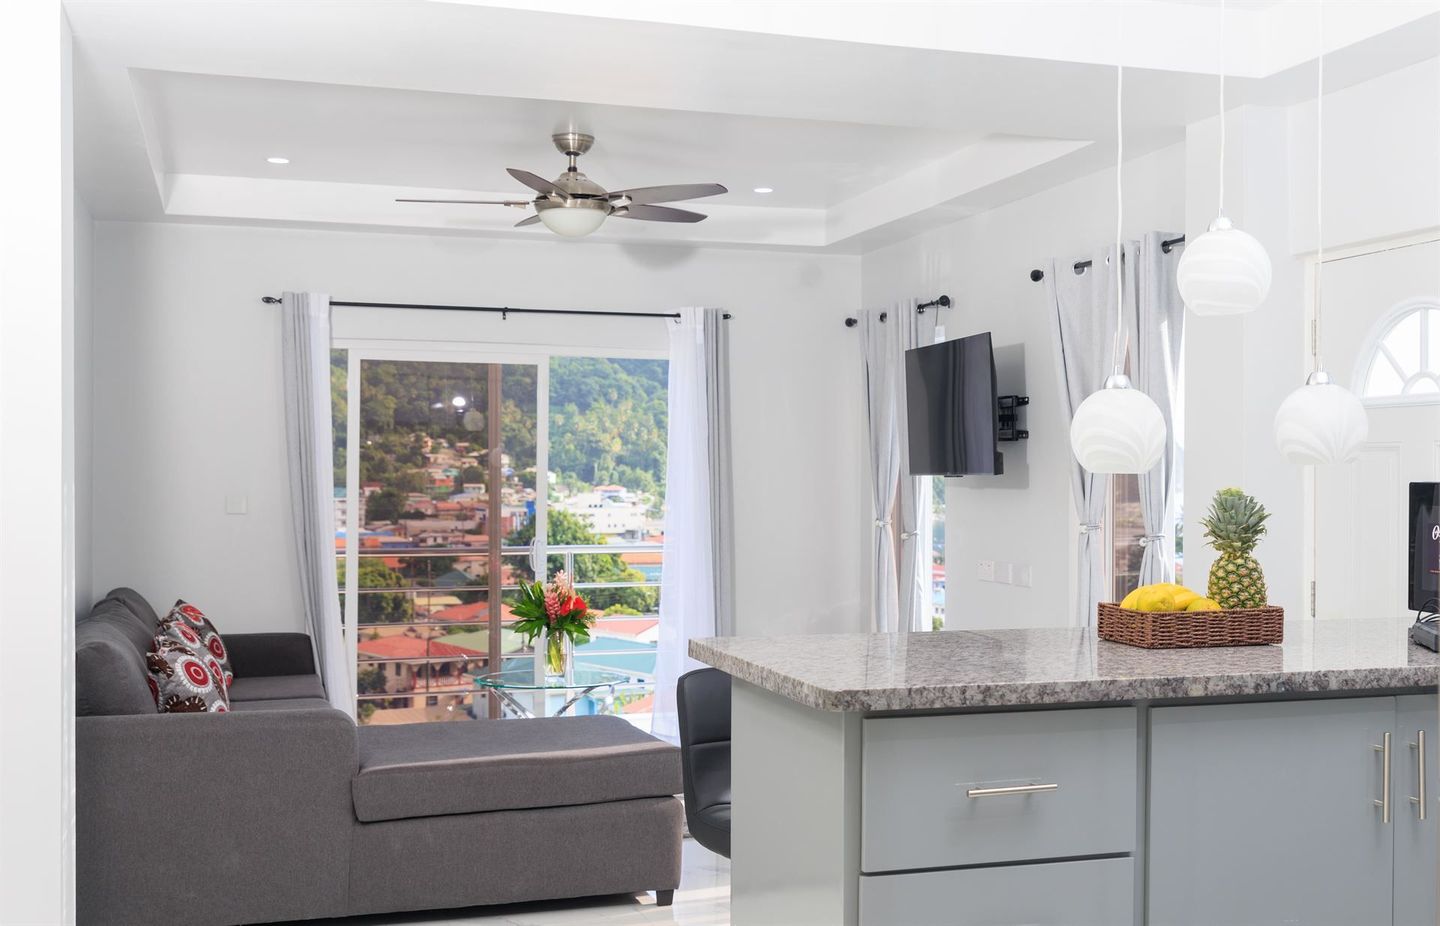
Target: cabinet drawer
[924,781]
[1096,892]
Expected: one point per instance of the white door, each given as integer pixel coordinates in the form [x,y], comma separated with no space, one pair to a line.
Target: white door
[1380,337]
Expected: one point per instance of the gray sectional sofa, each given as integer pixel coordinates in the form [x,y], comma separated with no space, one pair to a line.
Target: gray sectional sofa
[283,809]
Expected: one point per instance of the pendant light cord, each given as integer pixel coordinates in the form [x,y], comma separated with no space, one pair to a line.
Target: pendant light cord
[1220,206]
[1319,188]
[1117,348]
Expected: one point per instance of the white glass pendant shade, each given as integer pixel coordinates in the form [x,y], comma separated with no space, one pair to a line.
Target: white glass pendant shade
[1223,272]
[1321,422]
[1118,430]
[574,220]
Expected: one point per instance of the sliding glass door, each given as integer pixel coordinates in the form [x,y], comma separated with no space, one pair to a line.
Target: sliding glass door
[459,475]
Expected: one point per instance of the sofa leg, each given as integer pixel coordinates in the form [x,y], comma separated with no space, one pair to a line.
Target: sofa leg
[664,898]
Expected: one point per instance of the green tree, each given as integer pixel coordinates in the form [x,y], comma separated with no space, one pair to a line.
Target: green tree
[567,529]
[371,680]
[471,475]
[385,505]
[381,607]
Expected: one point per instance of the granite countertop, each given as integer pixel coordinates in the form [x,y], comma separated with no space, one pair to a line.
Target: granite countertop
[1007,668]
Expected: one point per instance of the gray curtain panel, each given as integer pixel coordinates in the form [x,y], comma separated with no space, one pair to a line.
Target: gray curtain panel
[914,329]
[305,359]
[722,505]
[1082,312]
[1155,360]
[880,354]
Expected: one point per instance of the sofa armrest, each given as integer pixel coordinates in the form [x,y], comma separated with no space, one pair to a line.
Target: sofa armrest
[254,655]
[213,818]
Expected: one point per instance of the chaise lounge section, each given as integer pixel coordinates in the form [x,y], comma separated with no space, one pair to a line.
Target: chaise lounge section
[284,809]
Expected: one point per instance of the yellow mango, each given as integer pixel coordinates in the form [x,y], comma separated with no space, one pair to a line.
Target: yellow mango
[1204,604]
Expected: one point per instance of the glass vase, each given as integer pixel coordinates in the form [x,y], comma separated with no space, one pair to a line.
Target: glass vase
[557,655]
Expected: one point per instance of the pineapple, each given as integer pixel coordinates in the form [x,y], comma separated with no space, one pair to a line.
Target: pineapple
[1236,523]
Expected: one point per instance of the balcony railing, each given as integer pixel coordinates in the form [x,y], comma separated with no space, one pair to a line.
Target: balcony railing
[447,673]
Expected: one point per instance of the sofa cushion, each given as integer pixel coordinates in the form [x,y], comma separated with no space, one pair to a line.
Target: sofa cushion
[186,615]
[116,613]
[282,704]
[110,676]
[421,770]
[277,688]
[182,682]
[136,604]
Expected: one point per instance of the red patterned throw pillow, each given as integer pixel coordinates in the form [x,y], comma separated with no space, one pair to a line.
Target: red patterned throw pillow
[187,624]
[181,681]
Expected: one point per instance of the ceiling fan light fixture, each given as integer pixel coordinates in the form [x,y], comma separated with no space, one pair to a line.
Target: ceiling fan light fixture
[575,218]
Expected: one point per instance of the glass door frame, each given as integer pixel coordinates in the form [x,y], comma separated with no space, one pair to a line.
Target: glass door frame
[359,350]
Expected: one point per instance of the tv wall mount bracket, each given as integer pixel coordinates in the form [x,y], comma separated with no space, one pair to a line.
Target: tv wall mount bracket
[1009,417]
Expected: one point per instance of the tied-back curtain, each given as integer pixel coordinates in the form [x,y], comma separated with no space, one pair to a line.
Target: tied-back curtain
[305,353]
[1082,312]
[694,589]
[1159,330]
[879,349]
[914,329]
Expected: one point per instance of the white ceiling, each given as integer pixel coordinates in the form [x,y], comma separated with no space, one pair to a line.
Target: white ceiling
[179,103]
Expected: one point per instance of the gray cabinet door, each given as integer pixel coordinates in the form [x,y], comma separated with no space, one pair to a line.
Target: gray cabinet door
[1415,851]
[1262,813]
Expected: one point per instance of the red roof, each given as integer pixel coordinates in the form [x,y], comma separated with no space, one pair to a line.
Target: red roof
[403,647]
[630,628]
[473,613]
[645,705]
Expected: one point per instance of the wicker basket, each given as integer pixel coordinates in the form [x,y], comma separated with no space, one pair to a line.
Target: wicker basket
[1179,629]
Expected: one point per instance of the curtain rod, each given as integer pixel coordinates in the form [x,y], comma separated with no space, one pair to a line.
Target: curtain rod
[1166,246]
[942,301]
[502,310]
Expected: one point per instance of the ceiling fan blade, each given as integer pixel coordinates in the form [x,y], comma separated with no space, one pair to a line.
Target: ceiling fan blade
[472,202]
[529,220]
[535,182]
[657,214]
[668,194]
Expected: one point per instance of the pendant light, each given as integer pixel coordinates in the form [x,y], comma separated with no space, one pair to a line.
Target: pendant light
[1224,271]
[1322,421]
[1118,429]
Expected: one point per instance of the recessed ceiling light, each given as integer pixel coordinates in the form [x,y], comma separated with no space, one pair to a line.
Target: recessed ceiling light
[278,160]
[764,189]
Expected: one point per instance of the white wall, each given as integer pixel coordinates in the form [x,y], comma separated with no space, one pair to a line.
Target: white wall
[82,374]
[984,264]
[37,708]
[188,409]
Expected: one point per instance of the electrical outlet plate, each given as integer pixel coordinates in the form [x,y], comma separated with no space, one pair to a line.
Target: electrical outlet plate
[986,570]
[1023,575]
[1005,573]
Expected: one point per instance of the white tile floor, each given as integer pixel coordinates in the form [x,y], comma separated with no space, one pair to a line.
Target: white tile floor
[702,900]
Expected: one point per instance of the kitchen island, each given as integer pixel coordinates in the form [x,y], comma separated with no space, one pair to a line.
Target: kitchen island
[1044,776]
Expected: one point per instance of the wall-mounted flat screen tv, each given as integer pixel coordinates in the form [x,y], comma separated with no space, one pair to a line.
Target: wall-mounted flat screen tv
[952,412]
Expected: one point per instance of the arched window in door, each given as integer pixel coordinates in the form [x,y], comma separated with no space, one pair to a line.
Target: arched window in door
[1403,359]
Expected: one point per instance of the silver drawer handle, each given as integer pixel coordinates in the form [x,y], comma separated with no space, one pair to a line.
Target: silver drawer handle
[1013,789]
[1419,747]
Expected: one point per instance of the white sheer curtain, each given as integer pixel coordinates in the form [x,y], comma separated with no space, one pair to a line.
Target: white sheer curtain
[694,593]
[1159,330]
[1082,314]
[305,356]
[879,348]
[915,329]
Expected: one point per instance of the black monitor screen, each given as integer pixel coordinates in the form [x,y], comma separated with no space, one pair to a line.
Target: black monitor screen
[951,413]
[1425,546]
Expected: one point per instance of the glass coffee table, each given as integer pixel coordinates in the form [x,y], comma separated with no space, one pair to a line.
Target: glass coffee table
[516,687]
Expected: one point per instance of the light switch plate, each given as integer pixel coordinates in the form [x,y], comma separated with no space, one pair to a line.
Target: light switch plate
[1005,573]
[1023,575]
[986,571]
[237,504]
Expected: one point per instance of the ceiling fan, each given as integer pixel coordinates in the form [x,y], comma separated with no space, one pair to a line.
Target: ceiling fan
[574,205]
